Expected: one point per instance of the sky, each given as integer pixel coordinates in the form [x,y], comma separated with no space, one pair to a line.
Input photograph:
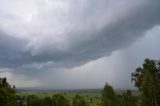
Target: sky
[76,44]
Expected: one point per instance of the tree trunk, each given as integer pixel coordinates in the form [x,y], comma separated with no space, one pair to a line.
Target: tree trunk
[155,101]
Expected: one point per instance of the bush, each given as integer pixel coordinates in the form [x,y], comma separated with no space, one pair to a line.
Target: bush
[79,101]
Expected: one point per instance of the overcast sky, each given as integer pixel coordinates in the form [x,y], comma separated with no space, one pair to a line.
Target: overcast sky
[71,44]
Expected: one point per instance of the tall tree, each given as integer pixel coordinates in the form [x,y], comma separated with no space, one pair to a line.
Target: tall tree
[7,93]
[147,80]
[109,97]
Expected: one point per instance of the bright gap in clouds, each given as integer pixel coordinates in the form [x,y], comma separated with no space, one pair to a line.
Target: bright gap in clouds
[76,44]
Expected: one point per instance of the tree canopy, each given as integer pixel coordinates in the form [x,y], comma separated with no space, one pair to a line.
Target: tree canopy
[7,93]
[147,79]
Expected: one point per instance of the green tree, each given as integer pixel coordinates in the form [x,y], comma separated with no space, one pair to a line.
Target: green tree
[47,101]
[33,100]
[128,99]
[60,100]
[7,93]
[147,80]
[109,97]
[20,100]
[79,101]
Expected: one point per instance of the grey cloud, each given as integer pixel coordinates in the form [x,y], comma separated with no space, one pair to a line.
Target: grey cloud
[117,36]
[85,42]
[10,51]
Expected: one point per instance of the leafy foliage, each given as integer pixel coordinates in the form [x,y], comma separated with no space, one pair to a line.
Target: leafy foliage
[33,100]
[7,93]
[47,101]
[60,100]
[128,99]
[79,101]
[147,80]
[108,96]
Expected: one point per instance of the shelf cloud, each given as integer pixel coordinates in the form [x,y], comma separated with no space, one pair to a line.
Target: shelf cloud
[71,33]
[37,34]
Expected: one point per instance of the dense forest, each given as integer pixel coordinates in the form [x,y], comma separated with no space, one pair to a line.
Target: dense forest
[146,78]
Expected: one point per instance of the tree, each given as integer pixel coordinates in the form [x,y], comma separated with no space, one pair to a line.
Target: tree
[128,99]
[4,81]
[20,100]
[7,94]
[33,100]
[109,97]
[147,80]
[79,101]
[47,101]
[60,100]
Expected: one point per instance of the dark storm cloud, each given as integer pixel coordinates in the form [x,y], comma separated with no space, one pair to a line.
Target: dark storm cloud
[11,51]
[110,38]
[89,43]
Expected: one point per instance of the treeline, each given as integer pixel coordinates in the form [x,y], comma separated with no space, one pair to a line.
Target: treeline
[146,78]
[55,100]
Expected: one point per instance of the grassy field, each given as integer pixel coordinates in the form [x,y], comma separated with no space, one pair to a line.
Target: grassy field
[91,96]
